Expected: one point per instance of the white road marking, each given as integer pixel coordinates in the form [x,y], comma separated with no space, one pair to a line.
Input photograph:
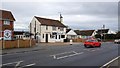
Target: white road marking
[28,65]
[75,53]
[92,50]
[69,55]
[62,53]
[18,64]
[11,63]
[110,62]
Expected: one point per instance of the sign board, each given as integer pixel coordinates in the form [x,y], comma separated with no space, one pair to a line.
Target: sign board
[7,34]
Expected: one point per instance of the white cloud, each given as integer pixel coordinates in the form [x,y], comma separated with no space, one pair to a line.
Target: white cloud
[60,0]
[81,15]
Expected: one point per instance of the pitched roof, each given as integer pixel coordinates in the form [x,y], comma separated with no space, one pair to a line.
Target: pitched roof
[77,32]
[84,32]
[50,22]
[6,15]
[67,30]
[102,31]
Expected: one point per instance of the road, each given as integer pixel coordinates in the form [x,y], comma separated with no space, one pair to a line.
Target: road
[63,55]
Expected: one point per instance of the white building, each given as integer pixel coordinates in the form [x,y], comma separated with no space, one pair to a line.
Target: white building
[47,30]
[70,34]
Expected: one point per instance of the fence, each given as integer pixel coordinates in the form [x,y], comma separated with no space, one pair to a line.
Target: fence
[78,40]
[16,43]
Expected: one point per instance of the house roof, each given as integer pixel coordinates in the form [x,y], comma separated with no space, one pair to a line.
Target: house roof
[77,32]
[4,14]
[50,22]
[118,34]
[99,31]
[84,32]
[67,30]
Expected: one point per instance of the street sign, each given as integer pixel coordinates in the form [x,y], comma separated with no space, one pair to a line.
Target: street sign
[7,34]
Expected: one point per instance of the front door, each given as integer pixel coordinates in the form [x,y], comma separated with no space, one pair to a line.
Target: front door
[46,40]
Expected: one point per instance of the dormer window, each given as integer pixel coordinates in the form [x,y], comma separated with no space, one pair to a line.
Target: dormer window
[6,22]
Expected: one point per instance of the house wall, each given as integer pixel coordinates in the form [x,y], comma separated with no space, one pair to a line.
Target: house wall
[71,35]
[8,27]
[0,28]
[49,32]
[41,32]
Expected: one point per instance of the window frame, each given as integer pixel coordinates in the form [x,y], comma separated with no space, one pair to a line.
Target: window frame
[6,22]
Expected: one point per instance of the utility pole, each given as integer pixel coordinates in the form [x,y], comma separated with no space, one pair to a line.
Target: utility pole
[30,30]
[103,33]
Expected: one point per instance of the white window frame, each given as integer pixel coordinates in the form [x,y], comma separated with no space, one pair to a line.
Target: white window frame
[6,22]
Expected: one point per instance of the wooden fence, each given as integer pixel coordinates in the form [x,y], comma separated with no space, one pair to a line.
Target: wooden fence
[16,44]
[78,40]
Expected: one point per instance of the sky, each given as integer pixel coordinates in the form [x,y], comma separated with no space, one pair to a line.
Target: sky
[76,15]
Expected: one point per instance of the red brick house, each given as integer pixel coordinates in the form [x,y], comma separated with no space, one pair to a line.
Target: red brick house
[6,24]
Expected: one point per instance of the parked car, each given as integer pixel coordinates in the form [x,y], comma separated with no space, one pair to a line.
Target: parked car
[92,43]
[117,41]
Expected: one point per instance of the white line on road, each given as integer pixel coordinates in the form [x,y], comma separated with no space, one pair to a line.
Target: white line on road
[92,50]
[62,53]
[18,64]
[28,65]
[110,62]
[11,63]
[69,55]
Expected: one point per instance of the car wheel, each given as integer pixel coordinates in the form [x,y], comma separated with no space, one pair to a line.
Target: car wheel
[86,46]
[99,45]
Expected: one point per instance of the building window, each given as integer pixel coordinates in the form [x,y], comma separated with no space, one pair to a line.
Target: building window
[61,29]
[46,27]
[59,36]
[43,35]
[6,22]
[53,28]
[62,36]
[56,37]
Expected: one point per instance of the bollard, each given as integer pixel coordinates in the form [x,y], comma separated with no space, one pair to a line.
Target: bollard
[71,42]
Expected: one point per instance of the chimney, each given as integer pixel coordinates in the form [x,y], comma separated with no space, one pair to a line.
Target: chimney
[61,18]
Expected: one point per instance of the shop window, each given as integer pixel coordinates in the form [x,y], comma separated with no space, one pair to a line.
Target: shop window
[59,36]
[62,36]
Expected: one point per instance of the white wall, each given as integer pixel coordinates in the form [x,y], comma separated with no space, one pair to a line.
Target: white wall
[41,29]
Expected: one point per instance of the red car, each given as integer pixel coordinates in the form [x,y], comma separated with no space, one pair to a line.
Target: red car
[92,43]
